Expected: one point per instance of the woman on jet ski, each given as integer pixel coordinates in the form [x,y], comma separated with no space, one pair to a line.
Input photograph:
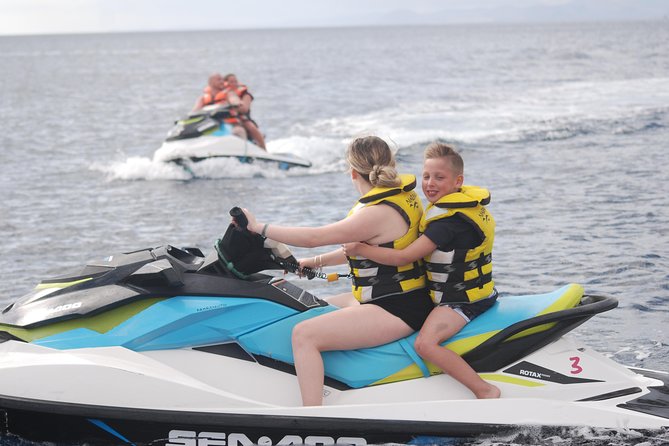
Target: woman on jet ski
[456,230]
[387,302]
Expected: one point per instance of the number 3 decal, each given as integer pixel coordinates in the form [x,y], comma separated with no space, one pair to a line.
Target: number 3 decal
[575,368]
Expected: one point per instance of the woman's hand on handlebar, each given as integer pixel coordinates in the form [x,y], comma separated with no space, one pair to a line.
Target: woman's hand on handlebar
[253,224]
[309,263]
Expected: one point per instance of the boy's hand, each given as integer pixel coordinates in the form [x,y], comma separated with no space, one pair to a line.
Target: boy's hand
[352,249]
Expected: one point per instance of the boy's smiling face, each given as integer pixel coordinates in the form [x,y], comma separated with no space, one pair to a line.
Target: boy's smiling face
[440,179]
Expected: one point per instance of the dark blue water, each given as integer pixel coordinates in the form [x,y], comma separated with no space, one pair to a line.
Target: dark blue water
[567,125]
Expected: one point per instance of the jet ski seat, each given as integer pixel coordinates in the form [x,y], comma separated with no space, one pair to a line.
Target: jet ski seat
[514,326]
[506,312]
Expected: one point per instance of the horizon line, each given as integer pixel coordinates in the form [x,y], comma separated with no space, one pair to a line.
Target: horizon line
[306,27]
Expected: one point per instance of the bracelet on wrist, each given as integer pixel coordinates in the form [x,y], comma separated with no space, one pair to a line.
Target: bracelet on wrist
[264,230]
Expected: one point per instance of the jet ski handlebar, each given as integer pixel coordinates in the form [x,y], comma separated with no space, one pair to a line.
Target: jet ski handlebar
[239,217]
[281,254]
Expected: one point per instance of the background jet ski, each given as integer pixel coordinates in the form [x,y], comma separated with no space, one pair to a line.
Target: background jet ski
[204,135]
[171,346]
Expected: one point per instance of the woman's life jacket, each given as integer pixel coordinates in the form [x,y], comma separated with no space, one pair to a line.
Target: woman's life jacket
[461,275]
[372,280]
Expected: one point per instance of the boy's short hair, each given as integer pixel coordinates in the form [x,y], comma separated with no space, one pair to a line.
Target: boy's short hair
[439,150]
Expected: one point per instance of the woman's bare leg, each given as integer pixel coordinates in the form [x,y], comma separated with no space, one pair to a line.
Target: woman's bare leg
[346,329]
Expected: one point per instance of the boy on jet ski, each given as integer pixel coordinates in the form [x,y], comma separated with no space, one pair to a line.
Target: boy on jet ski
[456,246]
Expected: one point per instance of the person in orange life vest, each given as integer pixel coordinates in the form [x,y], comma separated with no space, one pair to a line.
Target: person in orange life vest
[451,234]
[216,92]
[245,97]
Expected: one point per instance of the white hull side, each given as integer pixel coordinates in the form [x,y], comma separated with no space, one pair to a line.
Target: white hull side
[194,381]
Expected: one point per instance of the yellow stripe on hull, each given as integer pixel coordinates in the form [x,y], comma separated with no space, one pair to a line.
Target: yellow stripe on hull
[101,323]
[44,286]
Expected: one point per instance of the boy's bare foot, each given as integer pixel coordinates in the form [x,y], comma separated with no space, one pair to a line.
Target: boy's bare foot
[490,392]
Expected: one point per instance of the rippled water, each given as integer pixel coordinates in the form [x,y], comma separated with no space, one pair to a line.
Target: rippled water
[568,125]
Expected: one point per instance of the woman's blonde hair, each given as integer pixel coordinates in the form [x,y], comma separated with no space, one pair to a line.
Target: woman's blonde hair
[441,150]
[371,157]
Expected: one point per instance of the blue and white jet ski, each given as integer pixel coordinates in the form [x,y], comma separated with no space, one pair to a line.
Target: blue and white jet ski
[170,346]
[205,135]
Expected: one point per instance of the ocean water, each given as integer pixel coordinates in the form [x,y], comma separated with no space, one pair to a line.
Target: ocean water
[566,124]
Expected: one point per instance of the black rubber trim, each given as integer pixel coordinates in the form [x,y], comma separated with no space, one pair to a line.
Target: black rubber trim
[32,418]
[231,349]
[616,394]
[656,401]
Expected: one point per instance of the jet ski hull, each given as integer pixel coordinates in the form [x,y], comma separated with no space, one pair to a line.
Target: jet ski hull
[42,420]
[195,150]
[109,395]
[170,346]
[72,422]
[205,135]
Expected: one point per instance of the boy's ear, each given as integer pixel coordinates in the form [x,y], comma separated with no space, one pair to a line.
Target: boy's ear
[460,180]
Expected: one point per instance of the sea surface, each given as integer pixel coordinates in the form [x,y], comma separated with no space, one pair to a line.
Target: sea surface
[566,124]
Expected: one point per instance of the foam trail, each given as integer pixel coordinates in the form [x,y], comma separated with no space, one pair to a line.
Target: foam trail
[560,111]
[557,112]
[142,168]
[325,155]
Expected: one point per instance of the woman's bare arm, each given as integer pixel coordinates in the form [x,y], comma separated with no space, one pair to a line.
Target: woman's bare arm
[366,224]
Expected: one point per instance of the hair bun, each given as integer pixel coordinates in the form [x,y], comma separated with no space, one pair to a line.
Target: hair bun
[375,173]
[372,158]
[384,176]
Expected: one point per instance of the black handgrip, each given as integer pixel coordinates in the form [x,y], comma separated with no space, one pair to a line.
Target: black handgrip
[239,217]
[308,273]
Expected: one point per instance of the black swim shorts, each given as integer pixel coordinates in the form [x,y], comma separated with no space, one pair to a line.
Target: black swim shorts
[412,307]
[470,311]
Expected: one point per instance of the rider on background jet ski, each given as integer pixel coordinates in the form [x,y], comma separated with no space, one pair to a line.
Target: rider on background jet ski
[216,92]
[456,246]
[227,90]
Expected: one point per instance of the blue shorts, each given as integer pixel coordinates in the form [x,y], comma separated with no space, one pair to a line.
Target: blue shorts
[470,311]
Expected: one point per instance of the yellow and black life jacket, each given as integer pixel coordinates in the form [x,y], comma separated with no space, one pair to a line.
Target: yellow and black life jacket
[461,275]
[372,280]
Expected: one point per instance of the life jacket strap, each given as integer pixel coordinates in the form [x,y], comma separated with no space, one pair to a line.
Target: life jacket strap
[457,287]
[362,263]
[399,276]
[459,267]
